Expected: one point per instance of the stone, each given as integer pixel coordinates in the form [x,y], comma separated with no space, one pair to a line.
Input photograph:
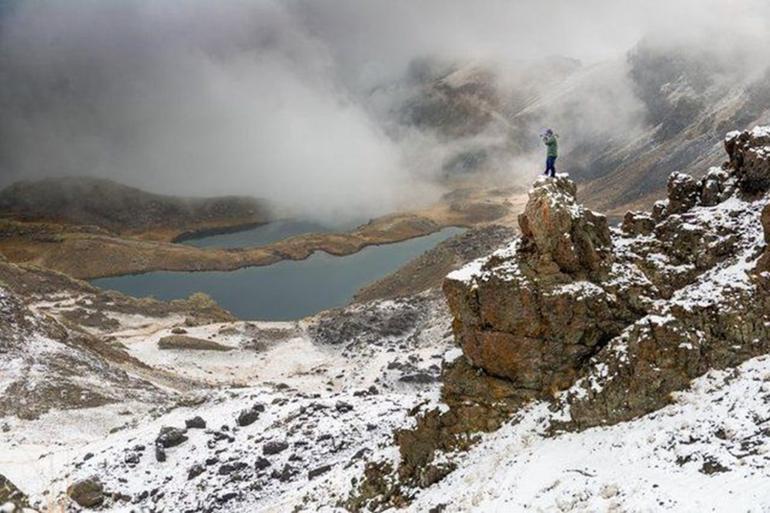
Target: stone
[195,471]
[659,211]
[132,458]
[87,493]
[195,423]
[274,447]
[713,187]
[285,474]
[323,469]
[226,497]
[683,193]
[229,468]
[160,453]
[749,159]
[343,407]
[170,437]
[261,463]
[637,223]
[248,416]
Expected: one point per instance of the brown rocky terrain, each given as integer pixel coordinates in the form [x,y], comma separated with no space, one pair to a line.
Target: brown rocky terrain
[11,498]
[91,252]
[604,324]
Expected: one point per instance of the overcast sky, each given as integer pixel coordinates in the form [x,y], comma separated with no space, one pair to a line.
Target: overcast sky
[267,98]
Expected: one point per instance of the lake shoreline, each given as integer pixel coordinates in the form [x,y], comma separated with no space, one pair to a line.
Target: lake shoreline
[86,253]
[287,290]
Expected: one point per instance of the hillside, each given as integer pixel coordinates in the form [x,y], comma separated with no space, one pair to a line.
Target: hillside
[576,326]
[87,252]
[592,369]
[126,210]
[624,125]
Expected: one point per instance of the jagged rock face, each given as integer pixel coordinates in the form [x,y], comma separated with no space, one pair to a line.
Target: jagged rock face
[749,153]
[605,324]
[11,498]
[654,305]
[557,229]
[533,317]
[637,223]
[763,265]
[683,193]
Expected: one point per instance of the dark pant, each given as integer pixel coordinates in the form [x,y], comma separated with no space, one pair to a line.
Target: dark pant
[550,166]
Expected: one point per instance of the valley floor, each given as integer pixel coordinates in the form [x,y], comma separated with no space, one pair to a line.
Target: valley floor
[329,391]
[331,401]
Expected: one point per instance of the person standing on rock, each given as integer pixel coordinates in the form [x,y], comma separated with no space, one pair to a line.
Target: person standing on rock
[552,151]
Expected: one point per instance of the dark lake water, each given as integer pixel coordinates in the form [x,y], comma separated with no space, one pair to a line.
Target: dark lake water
[286,290]
[267,233]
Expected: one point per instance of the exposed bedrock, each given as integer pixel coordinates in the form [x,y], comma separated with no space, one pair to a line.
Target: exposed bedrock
[624,317]
[749,153]
[605,323]
[532,313]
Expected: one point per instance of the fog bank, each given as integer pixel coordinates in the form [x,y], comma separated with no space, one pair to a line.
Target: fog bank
[293,100]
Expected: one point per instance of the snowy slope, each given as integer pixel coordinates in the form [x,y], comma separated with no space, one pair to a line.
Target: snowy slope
[332,388]
[706,452]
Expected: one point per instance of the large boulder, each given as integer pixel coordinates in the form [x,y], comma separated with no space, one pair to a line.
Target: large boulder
[170,437]
[557,229]
[11,498]
[749,153]
[87,493]
[532,313]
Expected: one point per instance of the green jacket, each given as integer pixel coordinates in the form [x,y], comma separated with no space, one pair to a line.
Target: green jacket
[552,145]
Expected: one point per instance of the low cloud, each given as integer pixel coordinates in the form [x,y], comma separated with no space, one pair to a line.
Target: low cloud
[293,100]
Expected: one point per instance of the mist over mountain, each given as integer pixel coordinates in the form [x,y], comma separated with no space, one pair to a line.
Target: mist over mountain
[296,255]
[339,108]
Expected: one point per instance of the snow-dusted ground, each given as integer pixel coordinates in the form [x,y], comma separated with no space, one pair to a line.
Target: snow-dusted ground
[710,451]
[332,398]
[330,391]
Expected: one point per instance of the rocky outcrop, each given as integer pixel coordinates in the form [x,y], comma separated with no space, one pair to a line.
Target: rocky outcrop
[532,313]
[603,324]
[626,318]
[556,230]
[749,153]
